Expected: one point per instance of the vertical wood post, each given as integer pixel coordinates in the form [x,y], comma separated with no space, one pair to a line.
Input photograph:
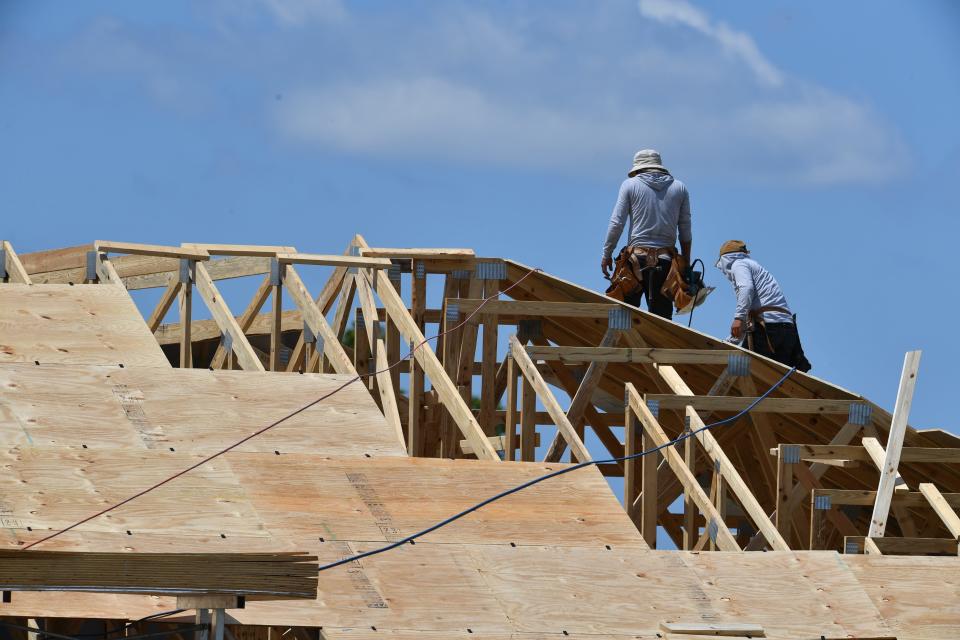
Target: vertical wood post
[415,407]
[510,422]
[631,465]
[528,421]
[276,317]
[187,276]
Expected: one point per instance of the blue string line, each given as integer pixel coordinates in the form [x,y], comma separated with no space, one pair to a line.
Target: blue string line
[554,474]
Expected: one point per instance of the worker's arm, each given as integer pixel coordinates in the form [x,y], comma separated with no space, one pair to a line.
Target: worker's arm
[685,228]
[746,292]
[617,219]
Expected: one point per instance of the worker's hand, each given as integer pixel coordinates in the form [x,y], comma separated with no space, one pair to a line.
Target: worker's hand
[736,328]
[606,265]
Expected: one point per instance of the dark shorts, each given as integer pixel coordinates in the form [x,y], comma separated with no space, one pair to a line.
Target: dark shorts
[784,338]
[653,280]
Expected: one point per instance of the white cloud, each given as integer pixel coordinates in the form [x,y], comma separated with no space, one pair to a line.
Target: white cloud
[300,12]
[735,43]
[818,138]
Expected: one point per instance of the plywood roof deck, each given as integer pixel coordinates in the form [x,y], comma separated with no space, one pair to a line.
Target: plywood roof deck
[560,559]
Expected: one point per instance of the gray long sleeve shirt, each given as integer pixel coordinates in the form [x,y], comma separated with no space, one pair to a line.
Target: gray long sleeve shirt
[658,207]
[755,287]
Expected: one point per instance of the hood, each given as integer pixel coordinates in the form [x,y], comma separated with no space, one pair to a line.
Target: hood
[656,180]
[725,263]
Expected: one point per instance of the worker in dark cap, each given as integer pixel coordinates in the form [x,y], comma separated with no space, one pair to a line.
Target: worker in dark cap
[763,319]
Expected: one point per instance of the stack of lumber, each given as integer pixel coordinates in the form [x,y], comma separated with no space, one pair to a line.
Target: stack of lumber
[255,575]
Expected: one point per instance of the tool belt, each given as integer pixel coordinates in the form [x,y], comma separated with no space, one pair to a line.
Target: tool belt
[628,271]
[756,320]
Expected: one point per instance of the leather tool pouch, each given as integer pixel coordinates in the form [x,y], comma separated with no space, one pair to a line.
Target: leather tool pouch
[624,281]
[674,286]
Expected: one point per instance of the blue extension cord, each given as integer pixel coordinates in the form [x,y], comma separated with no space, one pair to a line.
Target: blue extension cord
[554,474]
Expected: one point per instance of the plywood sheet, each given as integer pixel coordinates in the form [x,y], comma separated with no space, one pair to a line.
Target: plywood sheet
[918,596]
[188,410]
[80,324]
[298,496]
[389,498]
[822,595]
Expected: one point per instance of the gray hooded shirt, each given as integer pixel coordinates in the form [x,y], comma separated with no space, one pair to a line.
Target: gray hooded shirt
[755,287]
[658,207]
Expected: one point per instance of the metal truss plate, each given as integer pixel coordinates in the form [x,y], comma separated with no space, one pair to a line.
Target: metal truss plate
[619,318]
[453,313]
[309,336]
[92,266]
[822,503]
[495,270]
[790,453]
[738,364]
[860,413]
[654,406]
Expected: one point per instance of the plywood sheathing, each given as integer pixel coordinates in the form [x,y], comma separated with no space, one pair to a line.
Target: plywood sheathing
[80,324]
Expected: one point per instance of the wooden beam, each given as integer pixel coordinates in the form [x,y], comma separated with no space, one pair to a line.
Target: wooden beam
[246,319]
[865,497]
[12,265]
[246,356]
[537,308]
[391,410]
[857,453]
[582,398]
[315,319]
[898,428]
[510,418]
[550,403]
[878,455]
[732,404]
[334,260]
[942,508]
[247,250]
[416,254]
[903,546]
[447,391]
[155,250]
[187,277]
[167,299]
[713,450]
[628,355]
[725,540]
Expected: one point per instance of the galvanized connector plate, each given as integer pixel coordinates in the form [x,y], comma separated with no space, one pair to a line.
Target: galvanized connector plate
[619,318]
[790,453]
[495,270]
[860,413]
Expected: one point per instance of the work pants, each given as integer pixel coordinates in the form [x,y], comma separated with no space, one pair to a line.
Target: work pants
[653,280]
[785,340]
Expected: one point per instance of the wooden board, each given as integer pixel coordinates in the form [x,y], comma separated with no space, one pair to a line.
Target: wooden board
[190,410]
[80,324]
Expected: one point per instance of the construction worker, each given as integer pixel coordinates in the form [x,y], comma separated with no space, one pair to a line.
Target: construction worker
[658,207]
[763,319]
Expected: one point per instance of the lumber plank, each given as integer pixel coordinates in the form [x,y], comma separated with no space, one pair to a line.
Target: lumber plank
[898,428]
[454,403]
[532,374]
[313,316]
[246,357]
[15,272]
[942,508]
[628,355]
[334,260]
[582,398]
[671,402]
[724,538]
[154,250]
[713,450]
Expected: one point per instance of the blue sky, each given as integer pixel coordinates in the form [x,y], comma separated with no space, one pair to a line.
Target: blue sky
[823,134]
